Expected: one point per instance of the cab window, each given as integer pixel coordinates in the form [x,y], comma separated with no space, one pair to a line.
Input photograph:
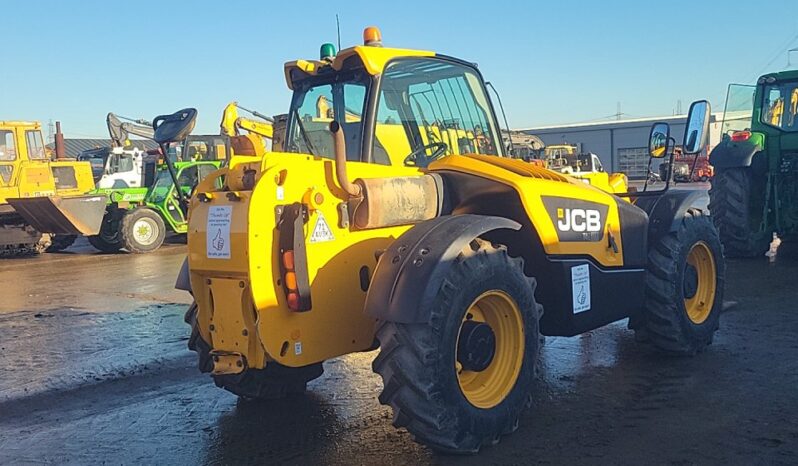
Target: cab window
[35,145]
[780,105]
[429,108]
[197,150]
[315,106]
[8,151]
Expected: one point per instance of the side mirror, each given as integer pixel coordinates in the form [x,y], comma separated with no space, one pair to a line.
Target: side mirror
[696,132]
[658,140]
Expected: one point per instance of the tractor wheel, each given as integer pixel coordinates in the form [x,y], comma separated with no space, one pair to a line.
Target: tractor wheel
[733,214]
[60,242]
[272,382]
[142,230]
[109,240]
[684,287]
[462,379]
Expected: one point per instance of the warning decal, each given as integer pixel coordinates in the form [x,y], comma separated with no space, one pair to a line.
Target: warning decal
[217,233]
[321,232]
[580,288]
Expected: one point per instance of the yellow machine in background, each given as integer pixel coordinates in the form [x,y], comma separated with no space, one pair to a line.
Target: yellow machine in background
[26,171]
[253,141]
[393,218]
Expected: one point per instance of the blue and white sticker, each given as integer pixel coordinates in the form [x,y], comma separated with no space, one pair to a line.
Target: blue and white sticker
[580,288]
[217,233]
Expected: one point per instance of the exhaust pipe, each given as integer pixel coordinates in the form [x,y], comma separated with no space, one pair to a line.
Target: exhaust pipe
[60,149]
[354,190]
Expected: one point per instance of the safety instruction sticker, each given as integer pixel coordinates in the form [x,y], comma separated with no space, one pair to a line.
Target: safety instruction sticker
[321,232]
[580,288]
[217,234]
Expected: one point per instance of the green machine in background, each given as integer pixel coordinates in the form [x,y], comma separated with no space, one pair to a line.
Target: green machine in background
[138,221]
[755,190]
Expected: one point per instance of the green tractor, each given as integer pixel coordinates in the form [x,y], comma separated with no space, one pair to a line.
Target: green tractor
[137,221]
[754,193]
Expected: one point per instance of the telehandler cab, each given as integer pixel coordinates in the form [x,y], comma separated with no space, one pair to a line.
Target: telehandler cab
[394,220]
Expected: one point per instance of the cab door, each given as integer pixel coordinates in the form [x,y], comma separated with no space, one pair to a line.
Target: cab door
[8,165]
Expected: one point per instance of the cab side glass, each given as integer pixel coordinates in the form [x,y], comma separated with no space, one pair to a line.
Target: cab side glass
[696,130]
[658,140]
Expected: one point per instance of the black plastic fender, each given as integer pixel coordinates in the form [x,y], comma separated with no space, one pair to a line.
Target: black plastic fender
[410,272]
[730,154]
[183,279]
[665,212]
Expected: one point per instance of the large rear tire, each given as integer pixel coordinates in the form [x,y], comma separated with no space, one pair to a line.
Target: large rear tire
[142,230]
[684,287]
[734,215]
[462,379]
[272,382]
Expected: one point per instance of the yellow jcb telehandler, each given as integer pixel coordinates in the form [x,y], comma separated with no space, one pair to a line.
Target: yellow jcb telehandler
[394,220]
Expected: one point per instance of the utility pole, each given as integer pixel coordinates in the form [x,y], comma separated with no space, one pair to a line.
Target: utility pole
[50,131]
[618,114]
[679,107]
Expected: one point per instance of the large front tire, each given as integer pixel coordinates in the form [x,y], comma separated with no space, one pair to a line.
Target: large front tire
[142,230]
[447,384]
[684,287]
[272,382]
[734,214]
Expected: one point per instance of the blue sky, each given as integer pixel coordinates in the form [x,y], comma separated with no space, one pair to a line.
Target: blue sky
[553,62]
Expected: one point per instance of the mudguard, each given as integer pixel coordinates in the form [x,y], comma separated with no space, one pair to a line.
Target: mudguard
[409,274]
[729,154]
[183,279]
[665,212]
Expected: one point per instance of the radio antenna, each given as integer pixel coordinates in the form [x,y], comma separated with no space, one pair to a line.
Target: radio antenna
[338,27]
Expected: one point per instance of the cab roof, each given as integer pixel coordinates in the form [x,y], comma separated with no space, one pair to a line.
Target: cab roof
[6,124]
[373,59]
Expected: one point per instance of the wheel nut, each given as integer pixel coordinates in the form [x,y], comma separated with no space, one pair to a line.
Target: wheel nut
[212,327]
[244,332]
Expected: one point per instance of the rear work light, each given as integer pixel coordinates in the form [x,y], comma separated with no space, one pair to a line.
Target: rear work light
[740,136]
[293,258]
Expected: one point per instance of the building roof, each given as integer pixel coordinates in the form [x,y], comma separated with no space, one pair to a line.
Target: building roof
[74,146]
[599,125]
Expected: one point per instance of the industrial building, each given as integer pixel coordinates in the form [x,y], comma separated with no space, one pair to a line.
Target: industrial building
[621,144]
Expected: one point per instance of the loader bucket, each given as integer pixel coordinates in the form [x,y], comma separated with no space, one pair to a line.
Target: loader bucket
[80,215]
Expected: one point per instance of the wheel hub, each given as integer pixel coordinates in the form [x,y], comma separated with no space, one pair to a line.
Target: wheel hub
[477,346]
[690,285]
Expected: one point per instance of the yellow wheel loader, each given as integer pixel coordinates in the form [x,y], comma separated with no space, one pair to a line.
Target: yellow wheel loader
[27,172]
[393,219]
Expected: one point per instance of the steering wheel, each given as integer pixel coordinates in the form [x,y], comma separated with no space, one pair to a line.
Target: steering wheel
[418,158]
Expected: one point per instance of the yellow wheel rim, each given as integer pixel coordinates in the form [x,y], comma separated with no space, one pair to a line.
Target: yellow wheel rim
[489,387]
[699,306]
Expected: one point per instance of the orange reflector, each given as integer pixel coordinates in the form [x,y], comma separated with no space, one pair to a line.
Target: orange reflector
[372,36]
[290,280]
[288,260]
[293,301]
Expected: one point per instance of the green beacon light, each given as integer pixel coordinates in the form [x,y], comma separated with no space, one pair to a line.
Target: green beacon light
[327,52]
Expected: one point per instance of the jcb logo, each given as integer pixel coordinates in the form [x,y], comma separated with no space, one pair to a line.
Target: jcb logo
[579,220]
[576,220]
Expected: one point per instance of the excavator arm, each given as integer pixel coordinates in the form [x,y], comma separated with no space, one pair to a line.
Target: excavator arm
[120,131]
[252,142]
